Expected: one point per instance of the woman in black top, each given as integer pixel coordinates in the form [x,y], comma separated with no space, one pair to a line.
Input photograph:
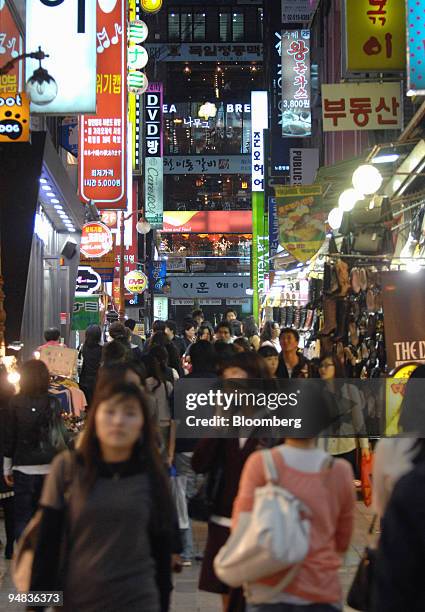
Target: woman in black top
[35,433]
[6,492]
[111,498]
[91,353]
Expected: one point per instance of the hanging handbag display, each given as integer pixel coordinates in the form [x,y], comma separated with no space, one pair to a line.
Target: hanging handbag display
[360,594]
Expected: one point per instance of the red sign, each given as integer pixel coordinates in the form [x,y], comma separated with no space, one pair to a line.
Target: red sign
[11,45]
[102,159]
[96,240]
[205,222]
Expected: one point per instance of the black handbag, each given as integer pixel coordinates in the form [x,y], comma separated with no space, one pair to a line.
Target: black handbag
[360,594]
[200,506]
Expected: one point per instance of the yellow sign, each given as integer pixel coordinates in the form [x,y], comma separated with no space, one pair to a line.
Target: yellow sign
[151,6]
[375,35]
[136,282]
[14,118]
[395,387]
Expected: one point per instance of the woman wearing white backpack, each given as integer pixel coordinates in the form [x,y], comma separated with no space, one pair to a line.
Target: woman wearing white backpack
[324,487]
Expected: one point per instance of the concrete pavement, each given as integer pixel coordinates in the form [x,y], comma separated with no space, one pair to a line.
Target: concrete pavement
[186,597]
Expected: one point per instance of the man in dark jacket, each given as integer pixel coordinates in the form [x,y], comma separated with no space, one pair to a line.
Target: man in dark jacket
[399,583]
[292,364]
[171,332]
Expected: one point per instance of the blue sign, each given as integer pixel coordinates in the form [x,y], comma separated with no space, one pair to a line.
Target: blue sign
[273,231]
[415,21]
[68,135]
[157,275]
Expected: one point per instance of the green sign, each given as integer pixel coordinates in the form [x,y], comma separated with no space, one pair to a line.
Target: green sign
[260,250]
[85,313]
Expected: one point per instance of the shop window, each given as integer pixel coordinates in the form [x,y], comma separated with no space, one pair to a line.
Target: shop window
[173,26]
[186,27]
[199,26]
[238,23]
[225,27]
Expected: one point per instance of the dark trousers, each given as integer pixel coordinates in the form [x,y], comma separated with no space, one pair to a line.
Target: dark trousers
[284,607]
[27,489]
[9,520]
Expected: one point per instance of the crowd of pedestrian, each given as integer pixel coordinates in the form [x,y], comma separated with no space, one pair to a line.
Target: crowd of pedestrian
[114,504]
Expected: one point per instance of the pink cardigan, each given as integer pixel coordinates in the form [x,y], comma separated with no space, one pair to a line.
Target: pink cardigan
[331,498]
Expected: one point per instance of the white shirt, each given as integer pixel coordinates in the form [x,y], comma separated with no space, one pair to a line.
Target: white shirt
[393,459]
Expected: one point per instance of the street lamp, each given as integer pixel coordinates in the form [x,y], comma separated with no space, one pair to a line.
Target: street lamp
[143,227]
[41,87]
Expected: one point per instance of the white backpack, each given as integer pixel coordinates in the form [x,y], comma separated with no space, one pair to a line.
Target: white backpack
[275,535]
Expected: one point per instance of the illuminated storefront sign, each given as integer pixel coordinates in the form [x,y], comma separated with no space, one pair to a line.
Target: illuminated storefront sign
[204,222]
[303,165]
[14,118]
[361,106]
[208,164]
[102,159]
[202,286]
[136,281]
[259,123]
[96,240]
[11,45]
[296,104]
[375,35]
[66,31]
[186,52]
[415,23]
[137,56]
[154,167]
[151,6]
[153,120]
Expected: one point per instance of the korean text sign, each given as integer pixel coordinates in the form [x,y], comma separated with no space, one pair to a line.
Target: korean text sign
[102,160]
[85,312]
[259,123]
[66,31]
[375,35]
[361,106]
[415,22]
[296,104]
[11,45]
[153,120]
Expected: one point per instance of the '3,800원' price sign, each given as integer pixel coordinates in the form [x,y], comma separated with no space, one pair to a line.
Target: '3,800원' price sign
[102,160]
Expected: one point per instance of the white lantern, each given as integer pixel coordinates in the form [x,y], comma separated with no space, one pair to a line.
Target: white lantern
[335,218]
[143,227]
[348,199]
[367,179]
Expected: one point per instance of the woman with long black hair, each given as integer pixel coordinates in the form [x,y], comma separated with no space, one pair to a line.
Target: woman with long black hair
[34,435]
[111,500]
[91,354]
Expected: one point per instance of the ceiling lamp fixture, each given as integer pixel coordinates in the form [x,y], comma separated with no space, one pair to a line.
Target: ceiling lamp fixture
[335,218]
[348,198]
[367,179]
[41,87]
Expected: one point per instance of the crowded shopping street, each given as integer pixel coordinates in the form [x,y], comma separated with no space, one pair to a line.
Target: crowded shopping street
[212,286]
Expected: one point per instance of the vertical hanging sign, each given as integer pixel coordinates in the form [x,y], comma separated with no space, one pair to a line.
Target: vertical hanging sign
[11,45]
[415,22]
[102,160]
[296,104]
[154,205]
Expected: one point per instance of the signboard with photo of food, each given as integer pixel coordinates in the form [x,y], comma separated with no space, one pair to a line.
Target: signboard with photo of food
[301,220]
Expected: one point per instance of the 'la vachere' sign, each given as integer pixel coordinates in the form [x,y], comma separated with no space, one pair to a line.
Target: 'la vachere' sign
[14,118]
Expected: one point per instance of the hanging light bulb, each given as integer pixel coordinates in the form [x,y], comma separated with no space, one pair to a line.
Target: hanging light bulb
[367,179]
[41,87]
[143,227]
[335,218]
[348,199]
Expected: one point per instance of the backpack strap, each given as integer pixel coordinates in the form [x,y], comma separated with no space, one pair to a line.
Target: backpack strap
[270,470]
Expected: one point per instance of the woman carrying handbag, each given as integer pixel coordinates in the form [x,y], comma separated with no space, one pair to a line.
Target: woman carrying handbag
[327,493]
